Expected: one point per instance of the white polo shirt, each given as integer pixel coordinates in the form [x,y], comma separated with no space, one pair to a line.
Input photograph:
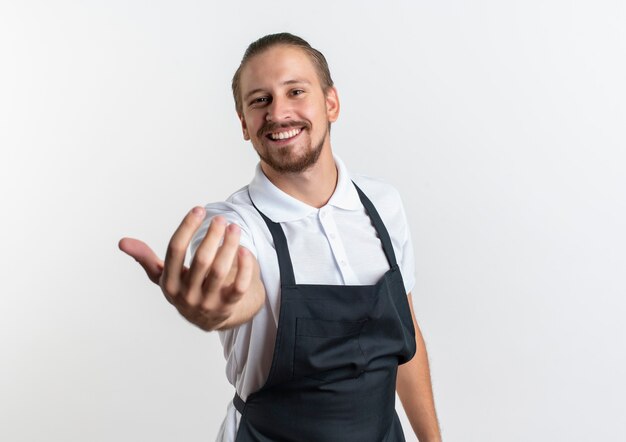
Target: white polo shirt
[335,244]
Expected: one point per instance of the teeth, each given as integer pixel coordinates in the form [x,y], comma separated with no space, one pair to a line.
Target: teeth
[285,135]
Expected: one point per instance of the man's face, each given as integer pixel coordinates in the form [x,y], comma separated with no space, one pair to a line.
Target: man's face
[285,113]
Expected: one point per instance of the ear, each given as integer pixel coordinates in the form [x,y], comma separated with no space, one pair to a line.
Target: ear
[332,104]
[244,127]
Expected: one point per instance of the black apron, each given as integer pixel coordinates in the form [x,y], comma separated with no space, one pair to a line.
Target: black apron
[336,355]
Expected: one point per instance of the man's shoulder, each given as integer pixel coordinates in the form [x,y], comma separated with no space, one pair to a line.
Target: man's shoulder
[240,197]
[237,209]
[237,201]
[382,193]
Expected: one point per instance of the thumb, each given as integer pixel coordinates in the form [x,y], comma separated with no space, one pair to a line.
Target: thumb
[140,252]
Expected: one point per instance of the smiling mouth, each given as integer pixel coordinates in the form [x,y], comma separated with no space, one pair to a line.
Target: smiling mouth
[284,135]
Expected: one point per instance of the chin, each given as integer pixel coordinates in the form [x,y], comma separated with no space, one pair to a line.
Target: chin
[290,163]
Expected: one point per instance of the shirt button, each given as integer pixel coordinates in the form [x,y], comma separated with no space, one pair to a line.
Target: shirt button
[323,215]
[332,236]
[343,263]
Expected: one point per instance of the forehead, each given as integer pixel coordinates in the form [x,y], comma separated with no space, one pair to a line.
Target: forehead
[275,66]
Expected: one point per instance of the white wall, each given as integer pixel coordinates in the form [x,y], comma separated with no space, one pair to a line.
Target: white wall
[501,123]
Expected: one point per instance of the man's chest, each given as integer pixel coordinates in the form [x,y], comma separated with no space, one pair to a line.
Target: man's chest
[335,247]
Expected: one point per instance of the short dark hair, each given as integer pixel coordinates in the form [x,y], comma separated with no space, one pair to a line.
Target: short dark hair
[283,38]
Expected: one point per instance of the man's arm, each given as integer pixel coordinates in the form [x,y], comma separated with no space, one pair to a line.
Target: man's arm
[415,390]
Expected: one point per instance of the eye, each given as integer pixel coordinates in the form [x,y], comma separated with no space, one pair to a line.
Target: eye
[260,100]
[297,92]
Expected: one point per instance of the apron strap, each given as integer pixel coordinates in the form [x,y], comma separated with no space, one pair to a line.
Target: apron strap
[383,234]
[287,277]
[239,403]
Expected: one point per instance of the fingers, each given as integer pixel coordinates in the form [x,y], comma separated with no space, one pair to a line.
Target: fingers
[245,270]
[144,255]
[223,262]
[203,258]
[176,250]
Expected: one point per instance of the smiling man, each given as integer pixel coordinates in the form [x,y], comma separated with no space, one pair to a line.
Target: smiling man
[305,273]
[292,136]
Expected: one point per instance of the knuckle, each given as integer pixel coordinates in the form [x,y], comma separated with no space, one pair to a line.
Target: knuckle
[175,246]
[202,259]
[218,271]
[239,288]
[170,289]
[210,314]
[205,310]
[185,303]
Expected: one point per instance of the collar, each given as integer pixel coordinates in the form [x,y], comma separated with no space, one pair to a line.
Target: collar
[281,207]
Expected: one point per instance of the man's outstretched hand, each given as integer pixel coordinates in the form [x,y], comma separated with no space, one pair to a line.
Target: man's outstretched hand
[221,289]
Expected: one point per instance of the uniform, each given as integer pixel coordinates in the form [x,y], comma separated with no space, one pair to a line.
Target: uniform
[350,334]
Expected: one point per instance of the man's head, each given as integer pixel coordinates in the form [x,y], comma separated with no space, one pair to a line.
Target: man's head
[285,101]
[284,38]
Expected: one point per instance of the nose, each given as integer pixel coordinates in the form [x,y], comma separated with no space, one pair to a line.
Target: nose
[278,110]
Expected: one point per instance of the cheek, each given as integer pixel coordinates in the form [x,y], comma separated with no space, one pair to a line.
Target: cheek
[314,115]
[252,125]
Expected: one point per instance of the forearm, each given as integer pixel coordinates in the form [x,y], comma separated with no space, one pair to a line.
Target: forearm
[415,391]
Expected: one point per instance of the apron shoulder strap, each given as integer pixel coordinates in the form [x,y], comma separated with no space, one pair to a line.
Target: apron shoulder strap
[383,234]
[287,277]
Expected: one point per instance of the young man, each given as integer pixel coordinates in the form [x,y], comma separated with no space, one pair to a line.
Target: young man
[305,273]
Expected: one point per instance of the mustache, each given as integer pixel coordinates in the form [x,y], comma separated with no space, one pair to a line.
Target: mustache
[270,127]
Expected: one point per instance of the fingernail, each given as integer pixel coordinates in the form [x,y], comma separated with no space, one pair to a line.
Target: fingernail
[198,211]
[233,228]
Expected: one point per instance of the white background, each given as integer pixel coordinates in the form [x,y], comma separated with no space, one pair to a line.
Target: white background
[501,123]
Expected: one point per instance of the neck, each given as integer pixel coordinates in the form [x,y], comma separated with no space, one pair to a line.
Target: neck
[313,186]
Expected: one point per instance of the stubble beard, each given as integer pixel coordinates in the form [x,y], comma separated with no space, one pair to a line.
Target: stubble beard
[282,160]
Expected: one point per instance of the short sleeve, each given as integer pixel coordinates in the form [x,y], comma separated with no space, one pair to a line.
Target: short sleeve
[407,259]
[228,211]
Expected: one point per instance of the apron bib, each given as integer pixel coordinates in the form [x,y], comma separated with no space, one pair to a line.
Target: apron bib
[336,355]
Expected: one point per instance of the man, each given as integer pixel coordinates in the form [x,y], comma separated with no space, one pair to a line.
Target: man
[305,273]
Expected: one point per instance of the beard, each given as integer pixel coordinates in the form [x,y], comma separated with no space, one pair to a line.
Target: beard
[284,160]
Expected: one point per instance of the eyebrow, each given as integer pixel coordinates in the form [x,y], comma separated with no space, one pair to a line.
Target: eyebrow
[284,83]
